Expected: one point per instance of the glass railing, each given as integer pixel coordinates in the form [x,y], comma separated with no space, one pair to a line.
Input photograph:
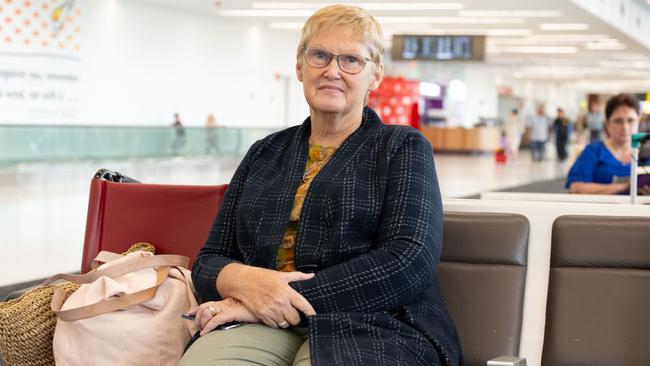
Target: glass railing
[20,143]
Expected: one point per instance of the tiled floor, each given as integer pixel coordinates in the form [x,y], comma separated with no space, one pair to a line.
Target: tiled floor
[43,206]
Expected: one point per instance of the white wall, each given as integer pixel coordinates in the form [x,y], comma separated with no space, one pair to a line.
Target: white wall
[553,94]
[144,62]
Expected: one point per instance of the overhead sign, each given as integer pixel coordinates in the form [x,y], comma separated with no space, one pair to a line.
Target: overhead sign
[438,48]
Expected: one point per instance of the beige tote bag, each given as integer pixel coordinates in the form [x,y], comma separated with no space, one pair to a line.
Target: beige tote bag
[127,312]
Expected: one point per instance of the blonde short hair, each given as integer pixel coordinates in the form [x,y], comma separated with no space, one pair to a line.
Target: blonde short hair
[354,18]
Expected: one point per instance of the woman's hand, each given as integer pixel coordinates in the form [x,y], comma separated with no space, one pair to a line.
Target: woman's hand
[266,293]
[212,314]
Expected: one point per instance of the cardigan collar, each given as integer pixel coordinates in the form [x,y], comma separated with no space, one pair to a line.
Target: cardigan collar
[369,119]
[298,154]
[370,122]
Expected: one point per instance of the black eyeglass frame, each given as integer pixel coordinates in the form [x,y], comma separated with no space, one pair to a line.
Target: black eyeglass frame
[337,57]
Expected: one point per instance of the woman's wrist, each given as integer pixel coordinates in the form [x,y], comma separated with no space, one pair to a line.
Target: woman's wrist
[621,187]
[229,280]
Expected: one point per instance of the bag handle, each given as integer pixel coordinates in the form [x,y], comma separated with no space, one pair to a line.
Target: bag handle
[123,268]
[190,297]
[108,305]
[104,257]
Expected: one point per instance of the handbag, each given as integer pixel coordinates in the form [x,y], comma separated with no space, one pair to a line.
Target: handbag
[27,326]
[27,322]
[127,312]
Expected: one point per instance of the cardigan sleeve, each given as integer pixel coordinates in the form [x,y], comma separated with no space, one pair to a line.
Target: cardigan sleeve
[409,239]
[221,247]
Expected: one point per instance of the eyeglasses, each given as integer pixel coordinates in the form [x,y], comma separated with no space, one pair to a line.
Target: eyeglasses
[621,121]
[348,63]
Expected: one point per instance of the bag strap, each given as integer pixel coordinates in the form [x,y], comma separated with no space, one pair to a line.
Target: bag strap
[108,305]
[190,298]
[104,257]
[120,269]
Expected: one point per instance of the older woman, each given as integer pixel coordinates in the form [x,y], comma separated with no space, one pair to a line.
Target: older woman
[328,239]
[603,167]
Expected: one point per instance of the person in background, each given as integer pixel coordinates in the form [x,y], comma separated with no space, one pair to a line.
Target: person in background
[179,139]
[211,134]
[539,126]
[603,167]
[329,235]
[562,130]
[512,129]
[595,121]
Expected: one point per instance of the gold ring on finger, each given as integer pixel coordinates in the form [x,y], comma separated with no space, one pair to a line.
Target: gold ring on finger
[212,311]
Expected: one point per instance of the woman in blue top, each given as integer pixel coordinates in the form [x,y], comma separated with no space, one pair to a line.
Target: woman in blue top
[600,164]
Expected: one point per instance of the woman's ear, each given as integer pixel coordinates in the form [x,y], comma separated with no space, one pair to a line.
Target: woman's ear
[377,77]
[299,71]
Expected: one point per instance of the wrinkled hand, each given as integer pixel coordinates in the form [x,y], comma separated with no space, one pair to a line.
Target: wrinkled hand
[267,294]
[226,311]
[644,191]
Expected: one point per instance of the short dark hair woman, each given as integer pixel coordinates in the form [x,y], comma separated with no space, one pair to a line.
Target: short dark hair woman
[603,167]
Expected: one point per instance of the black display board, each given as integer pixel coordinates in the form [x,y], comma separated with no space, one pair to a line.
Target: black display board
[438,48]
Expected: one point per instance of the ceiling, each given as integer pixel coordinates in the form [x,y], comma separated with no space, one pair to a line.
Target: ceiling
[528,40]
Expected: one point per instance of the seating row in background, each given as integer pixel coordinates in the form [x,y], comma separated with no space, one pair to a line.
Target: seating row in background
[556,283]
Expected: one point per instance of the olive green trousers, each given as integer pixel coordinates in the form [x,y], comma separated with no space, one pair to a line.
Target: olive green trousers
[250,344]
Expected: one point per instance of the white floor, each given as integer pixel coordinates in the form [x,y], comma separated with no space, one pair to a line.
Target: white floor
[43,206]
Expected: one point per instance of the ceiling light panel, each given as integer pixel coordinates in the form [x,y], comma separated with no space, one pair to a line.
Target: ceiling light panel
[564,26]
[511,13]
[604,46]
[534,49]
[458,31]
[265,13]
[368,5]
[449,20]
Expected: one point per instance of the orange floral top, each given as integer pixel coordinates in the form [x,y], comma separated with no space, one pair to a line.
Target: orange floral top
[318,157]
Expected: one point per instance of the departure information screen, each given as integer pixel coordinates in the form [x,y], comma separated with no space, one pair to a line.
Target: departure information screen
[438,48]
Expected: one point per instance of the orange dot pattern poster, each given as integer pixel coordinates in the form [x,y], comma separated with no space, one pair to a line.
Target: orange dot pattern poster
[51,26]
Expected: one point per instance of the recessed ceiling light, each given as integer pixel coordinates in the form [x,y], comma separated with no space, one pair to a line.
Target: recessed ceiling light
[449,20]
[533,49]
[564,26]
[511,13]
[368,6]
[460,31]
[265,13]
[604,46]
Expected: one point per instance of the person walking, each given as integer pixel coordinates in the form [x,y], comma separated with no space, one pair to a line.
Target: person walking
[562,130]
[539,125]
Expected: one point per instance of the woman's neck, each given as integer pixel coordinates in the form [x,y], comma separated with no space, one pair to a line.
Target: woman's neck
[620,150]
[332,130]
[618,145]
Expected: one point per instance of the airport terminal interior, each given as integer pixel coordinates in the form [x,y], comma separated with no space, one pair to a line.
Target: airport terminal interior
[176,91]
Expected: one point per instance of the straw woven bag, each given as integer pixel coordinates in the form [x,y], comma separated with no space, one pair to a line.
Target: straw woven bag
[27,323]
[27,326]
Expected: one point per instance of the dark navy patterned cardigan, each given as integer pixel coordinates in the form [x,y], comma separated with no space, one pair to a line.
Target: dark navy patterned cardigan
[371,230]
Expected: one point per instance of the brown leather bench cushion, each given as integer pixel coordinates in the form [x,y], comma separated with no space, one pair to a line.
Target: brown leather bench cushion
[600,241]
[598,308]
[482,276]
[489,238]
